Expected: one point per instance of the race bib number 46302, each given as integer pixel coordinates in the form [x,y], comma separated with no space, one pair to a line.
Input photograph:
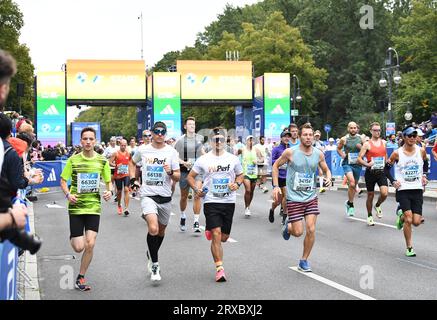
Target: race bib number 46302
[154,175]
[88,182]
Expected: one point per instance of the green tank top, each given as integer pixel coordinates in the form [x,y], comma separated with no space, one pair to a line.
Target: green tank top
[249,163]
[351,150]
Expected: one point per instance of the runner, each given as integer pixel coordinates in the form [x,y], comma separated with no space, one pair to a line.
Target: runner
[302,165]
[189,148]
[352,143]
[120,161]
[160,168]
[109,151]
[276,153]
[84,205]
[319,145]
[410,164]
[250,173]
[223,175]
[294,141]
[376,154]
[261,161]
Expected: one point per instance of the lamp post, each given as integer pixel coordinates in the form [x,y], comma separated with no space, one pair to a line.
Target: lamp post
[392,74]
[295,97]
[142,50]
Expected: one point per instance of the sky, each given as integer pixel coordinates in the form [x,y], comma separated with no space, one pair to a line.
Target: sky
[58,30]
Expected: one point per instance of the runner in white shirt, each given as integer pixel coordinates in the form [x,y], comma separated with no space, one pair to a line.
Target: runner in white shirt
[160,167]
[222,176]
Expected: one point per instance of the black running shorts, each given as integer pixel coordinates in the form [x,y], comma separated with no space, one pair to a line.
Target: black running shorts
[281,182]
[375,177]
[79,222]
[122,182]
[410,200]
[219,215]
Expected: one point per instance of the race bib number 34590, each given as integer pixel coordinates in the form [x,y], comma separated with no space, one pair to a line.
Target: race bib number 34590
[88,182]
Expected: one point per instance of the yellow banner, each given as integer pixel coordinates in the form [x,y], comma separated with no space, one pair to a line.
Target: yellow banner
[223,80]
[106,79]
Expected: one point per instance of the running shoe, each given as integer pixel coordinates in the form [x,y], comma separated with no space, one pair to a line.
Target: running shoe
[247,212]
[156,275]
[422,220]
[370,221]
[81,285]
[399,222]
[190,195]
[378,212]
[359,193]
[322,190]
[119,210]
[126,212]
[208,235]
[304,266]
[350,211]
[284,218]
[149,262]
[182,225]
[220,276]
[410,252]
[196,227]
[285,233]
[272,216]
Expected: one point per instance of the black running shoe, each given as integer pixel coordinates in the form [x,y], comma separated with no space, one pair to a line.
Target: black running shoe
[271,216]
[182,225]
[196,227]
[126,213]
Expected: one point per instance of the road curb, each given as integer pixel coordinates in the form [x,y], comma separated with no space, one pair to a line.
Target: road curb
[426,197]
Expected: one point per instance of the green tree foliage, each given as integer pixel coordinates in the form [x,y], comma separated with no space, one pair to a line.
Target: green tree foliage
[11,22]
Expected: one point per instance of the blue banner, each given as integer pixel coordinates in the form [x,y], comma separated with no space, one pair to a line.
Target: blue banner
[76,129]
[52,172]
[8,271]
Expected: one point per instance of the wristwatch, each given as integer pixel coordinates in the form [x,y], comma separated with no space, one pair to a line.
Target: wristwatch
[275,186]
[171,172]
[239,184]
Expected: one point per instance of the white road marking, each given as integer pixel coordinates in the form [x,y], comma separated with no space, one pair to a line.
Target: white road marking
[172,214]
[378,223]
[335,285]
[229,239]
[417,264]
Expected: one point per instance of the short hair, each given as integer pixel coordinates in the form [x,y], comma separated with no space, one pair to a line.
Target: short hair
[352,123]
[217,131]
[190,118]
[374,124]
[86,129]
[261,137]
[5,126]
[305,126]
[292,125]
[8,67]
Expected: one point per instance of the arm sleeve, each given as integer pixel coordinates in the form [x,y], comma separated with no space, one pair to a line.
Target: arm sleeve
[387,169]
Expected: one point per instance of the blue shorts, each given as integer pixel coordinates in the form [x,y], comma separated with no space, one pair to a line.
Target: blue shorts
[354,168]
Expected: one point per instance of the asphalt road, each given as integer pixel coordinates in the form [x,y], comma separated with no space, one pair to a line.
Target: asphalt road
[350,260]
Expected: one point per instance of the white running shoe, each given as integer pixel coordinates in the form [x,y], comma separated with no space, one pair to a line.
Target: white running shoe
[156,276]
[247,212]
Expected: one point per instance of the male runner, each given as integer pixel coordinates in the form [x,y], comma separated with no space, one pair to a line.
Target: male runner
[261,161]
[160,167]
[411,164]
[294,140]
[302,166]
[120,161]
[319,145]
[352,144]
[109,151]
[249,163]
[376,154]
[223,175]
[189,148]
[276,153]
[84,205]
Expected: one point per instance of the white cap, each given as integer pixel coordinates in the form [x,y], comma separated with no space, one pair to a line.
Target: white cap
[420,132]
[248,137]
[331,139]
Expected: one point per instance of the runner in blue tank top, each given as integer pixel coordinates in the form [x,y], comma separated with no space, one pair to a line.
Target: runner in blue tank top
[302,165]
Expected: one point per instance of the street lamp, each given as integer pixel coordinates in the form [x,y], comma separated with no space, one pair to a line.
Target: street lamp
[389,73]
[142,44]
[295,97]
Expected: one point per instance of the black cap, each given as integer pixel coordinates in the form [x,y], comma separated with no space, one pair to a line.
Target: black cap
[285,133]
[159,124]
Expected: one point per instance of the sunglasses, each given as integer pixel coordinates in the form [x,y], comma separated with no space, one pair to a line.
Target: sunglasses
[161,132]
[217,140]
[147,135]
[414,135]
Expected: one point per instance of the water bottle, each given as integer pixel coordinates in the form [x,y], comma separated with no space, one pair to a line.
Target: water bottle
[205,190]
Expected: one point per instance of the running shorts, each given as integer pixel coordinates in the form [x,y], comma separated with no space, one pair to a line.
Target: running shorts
[81,222]
[219,215]
[122,182]
[410,200]
[375,177]
[162,210]
[296,211]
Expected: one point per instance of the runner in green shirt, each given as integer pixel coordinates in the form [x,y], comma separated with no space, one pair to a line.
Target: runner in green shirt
[250,173]
[84,205]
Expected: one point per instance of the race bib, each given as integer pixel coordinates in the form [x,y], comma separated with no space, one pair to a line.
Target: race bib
[123,169]
[251,169]
[411,173]
[378,163]
[352,157]
[303,181]
[220,187]
[88,182]
[155,175]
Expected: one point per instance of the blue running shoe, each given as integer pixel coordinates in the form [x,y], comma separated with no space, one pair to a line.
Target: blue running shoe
[304,266]
[285,233]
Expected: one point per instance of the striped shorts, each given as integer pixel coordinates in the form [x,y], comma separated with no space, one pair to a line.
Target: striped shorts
[296,211]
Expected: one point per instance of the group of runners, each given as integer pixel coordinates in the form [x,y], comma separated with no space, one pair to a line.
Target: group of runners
[154,168]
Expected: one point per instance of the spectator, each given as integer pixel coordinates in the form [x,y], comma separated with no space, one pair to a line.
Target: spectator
[391,143]
[331,146]
[434,119]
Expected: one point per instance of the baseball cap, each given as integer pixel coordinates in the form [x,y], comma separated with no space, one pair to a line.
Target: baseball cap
[331,139]
[248,137]
[159,124]
[408,130]
[285,133]
[420,132]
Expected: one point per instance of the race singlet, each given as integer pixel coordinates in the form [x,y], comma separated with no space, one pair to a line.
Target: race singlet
[352,157]
[411,173]
[251,169]
[220,187]
[303,181]
[378,163]
[88,182]
[123,169]
[154,175]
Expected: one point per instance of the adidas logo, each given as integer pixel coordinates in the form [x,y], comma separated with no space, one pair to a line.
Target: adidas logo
[52,176]
[277,110]
[51,111]
[167,110]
